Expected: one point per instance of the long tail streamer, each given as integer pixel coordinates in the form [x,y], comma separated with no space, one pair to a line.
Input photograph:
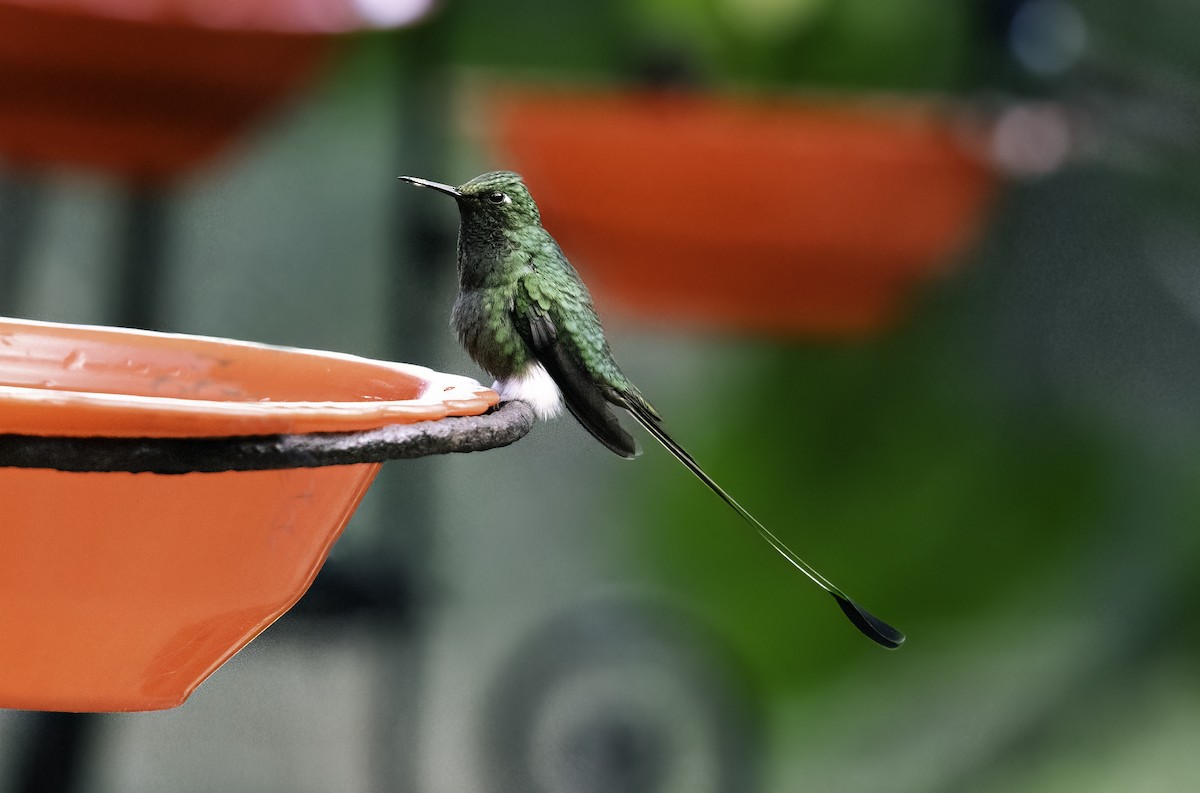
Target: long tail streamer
[874,628]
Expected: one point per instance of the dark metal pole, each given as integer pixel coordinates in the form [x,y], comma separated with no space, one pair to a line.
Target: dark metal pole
[57,744]
[20,199]
[55,750]
[142,253]
[423,249]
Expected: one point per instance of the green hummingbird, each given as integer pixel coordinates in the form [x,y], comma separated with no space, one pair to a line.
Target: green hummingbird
[525,316]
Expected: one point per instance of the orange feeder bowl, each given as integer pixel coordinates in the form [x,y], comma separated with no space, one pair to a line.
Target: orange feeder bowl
[781,216]
[167,497]
[147,100]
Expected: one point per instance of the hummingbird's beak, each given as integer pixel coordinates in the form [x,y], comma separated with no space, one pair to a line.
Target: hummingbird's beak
[441,188]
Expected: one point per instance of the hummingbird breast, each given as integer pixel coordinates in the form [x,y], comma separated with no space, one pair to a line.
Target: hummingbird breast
[482,320]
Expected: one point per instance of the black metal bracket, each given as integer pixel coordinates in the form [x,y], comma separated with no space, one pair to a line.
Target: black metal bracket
[500,427]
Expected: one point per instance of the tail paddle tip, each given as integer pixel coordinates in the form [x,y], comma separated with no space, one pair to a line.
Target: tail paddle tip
[872,627]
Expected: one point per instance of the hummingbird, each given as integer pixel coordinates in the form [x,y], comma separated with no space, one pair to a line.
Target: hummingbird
[525,316]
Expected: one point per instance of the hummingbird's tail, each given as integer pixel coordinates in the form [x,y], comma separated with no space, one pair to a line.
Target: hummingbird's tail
[873,627]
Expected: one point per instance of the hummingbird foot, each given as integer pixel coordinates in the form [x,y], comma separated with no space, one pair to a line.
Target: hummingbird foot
[534,387]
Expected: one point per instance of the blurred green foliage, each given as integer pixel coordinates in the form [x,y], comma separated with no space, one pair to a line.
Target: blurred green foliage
[886,464]
[916,45]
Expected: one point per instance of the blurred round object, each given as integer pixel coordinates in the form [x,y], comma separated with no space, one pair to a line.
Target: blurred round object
[619,697]
[1048,36]
[1032,138]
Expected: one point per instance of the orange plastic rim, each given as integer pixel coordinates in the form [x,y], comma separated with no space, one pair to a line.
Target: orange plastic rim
[86,381]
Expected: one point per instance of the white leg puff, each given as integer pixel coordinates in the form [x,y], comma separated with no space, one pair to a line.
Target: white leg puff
[534,387]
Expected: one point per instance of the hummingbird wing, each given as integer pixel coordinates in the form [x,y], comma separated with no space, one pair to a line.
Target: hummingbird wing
[587,399]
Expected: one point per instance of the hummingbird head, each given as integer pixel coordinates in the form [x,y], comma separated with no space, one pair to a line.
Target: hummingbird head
[497,200]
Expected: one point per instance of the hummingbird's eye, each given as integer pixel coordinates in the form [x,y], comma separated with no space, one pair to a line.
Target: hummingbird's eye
[499,198]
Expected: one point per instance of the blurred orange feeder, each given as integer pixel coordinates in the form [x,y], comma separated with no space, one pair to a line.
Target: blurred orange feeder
[148,101]
[783,216]
[151,88]
[167,497]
